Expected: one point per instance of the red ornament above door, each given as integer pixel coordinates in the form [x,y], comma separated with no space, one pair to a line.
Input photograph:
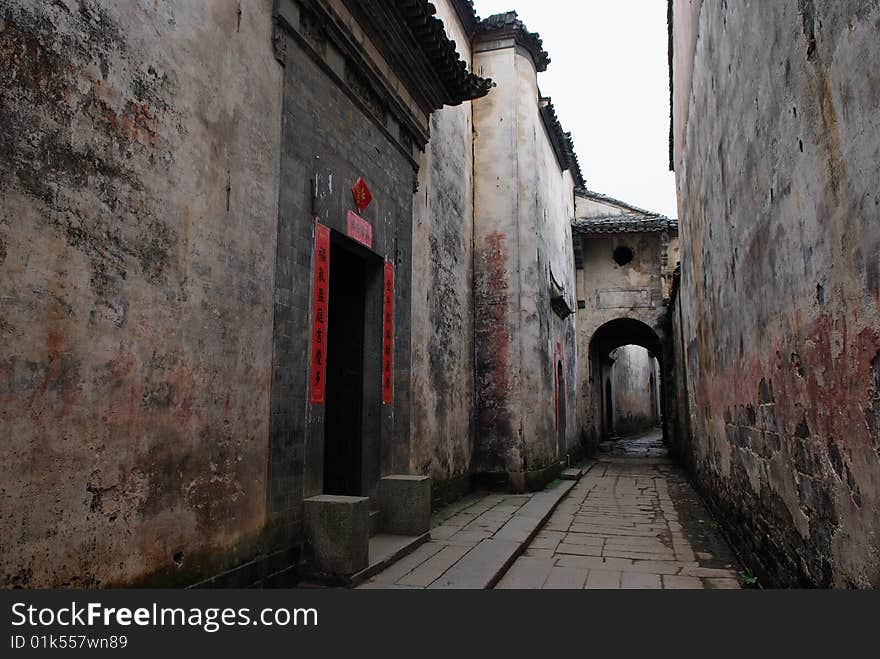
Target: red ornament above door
[362,195]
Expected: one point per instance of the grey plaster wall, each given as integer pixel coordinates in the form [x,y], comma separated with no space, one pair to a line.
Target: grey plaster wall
[524,205]
[497,263]
[138,205]
[546,210]
[776,147]
[442,302]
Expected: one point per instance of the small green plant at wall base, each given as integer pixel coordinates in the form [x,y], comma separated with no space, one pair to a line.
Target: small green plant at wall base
[747,579]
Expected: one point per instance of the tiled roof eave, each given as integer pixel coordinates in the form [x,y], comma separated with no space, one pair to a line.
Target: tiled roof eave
[461,85]
[467,14]
[563,145]
[625,225]
[508,24]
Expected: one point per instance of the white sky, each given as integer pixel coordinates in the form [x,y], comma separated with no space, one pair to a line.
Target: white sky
[609,82]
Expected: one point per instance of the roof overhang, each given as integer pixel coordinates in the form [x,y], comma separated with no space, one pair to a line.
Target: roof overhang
[414,42]
[563,145]
[508,26]
[624,223]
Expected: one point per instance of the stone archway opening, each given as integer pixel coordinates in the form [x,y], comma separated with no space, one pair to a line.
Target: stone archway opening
[626,357]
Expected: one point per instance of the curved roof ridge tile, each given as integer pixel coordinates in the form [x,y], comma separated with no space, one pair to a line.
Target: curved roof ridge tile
[509,23]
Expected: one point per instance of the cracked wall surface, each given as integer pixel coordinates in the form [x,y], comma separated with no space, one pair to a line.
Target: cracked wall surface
[442,307]
[524,204]
[137,215]
[777,139]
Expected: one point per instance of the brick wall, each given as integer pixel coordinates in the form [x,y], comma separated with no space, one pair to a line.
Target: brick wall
[329,141]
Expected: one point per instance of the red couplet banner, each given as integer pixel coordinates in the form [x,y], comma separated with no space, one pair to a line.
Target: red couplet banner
[319,314]
[388,336]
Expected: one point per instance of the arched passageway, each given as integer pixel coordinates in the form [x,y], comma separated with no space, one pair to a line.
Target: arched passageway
[625,377]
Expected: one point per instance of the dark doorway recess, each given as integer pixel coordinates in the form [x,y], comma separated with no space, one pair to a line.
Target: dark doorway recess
[609,409]
[652,387]
[343,424]
[560,409]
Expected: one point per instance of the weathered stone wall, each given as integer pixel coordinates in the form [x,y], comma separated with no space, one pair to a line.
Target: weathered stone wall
[523,209]
[442,284]
[676,392]
[137,245]
[546,210]
[634,381]
[777,141]
[496,268]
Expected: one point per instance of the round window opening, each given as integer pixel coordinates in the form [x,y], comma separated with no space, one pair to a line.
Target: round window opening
[623,255]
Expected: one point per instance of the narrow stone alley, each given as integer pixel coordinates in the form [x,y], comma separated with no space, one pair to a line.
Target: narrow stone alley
[322,293]
[632,521]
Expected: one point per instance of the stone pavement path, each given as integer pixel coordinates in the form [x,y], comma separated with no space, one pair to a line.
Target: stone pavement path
[630,522]
[643,445]
[473,540]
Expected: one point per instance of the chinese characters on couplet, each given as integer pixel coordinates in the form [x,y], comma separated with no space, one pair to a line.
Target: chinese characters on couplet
[319,318]
[321,300]
[388,336]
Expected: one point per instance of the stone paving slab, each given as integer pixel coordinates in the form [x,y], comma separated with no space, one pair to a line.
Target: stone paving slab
[528,572]
[561,578]
[519,529]
[676,582]
[482,566]
[385,550]
[475,542]
[432,569]
[725,584]
[407,564]
[538,553]
[640,581]
[547,540]
[603,579]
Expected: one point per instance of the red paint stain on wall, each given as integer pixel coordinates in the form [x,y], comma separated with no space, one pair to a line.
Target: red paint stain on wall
[821,363]
[493,356]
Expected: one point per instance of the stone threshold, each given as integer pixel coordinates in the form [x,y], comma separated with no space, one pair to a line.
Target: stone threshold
[574,473]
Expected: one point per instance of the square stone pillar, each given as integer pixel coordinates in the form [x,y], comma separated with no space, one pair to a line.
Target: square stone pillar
[405,502]
[338,530]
